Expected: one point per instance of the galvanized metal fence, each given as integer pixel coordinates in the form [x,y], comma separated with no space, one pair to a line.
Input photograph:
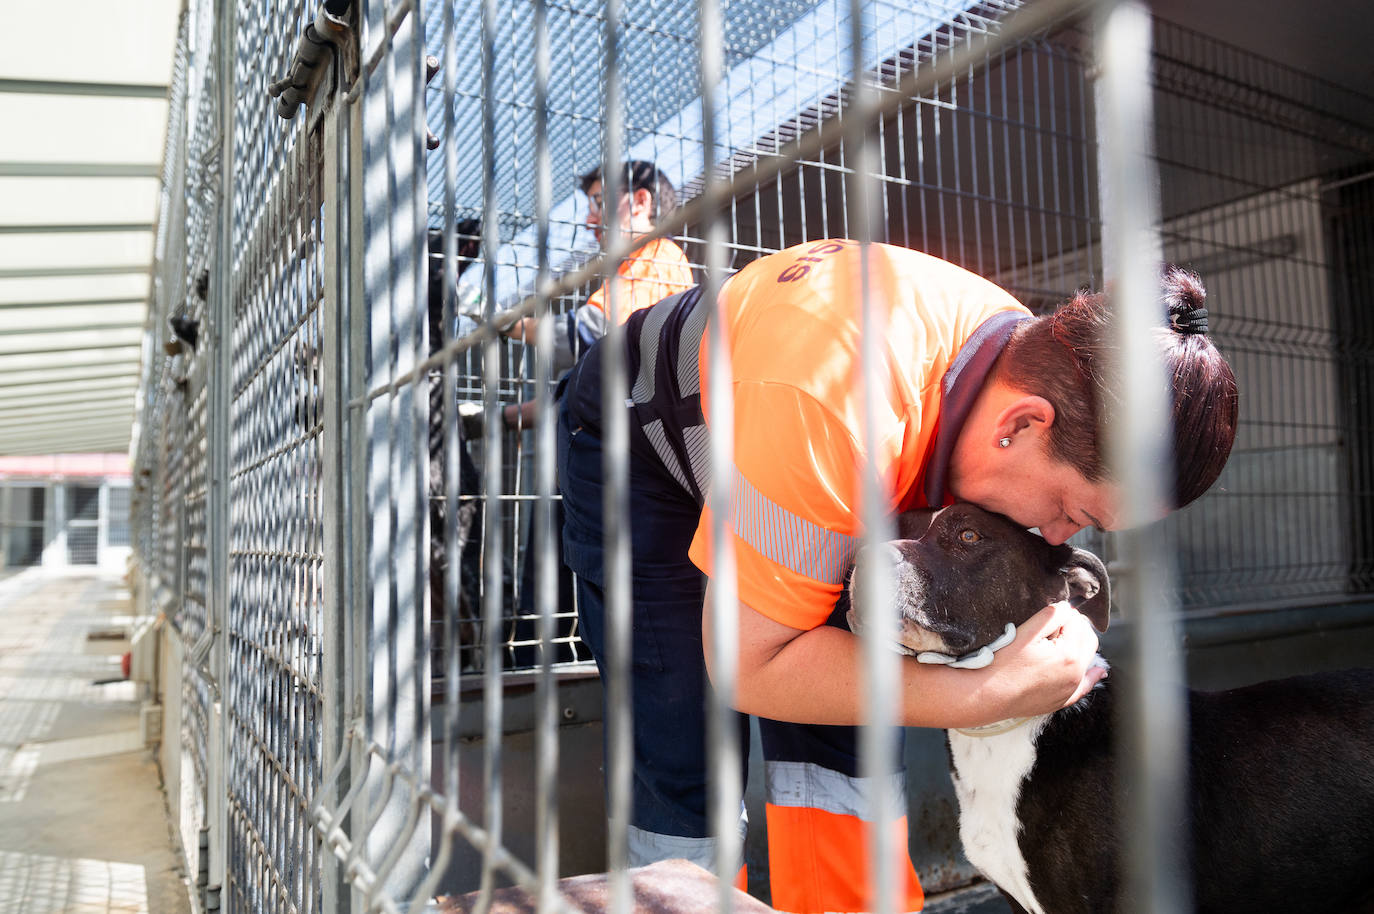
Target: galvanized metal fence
[384,695]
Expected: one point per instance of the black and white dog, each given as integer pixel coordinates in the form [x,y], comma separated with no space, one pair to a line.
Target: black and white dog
[1281,773]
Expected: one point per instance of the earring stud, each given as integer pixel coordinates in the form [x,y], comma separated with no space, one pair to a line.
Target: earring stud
[1005,442]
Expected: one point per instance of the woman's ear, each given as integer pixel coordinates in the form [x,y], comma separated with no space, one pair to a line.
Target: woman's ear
[1023,413]
[642,204]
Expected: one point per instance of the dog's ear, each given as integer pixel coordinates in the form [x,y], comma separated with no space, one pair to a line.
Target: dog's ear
[1089,591]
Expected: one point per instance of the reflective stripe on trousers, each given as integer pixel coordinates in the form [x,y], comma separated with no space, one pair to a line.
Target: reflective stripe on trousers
[818,840]
[646,847]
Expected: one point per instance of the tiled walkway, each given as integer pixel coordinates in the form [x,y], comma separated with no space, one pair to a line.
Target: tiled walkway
[83,822]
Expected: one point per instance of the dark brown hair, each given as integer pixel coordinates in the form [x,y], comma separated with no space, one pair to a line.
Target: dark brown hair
[640,175]
[1070,358]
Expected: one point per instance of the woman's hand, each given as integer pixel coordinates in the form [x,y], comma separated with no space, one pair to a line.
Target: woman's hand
[1049,666]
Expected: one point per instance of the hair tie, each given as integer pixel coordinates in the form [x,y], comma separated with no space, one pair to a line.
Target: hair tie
[1189,321]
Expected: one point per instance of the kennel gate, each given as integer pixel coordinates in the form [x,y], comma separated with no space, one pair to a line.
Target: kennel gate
[350,725]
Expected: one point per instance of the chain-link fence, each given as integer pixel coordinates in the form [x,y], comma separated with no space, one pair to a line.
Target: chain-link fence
[345,499]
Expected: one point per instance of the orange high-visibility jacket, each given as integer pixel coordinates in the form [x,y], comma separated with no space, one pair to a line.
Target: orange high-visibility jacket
[652,272]
[792,322]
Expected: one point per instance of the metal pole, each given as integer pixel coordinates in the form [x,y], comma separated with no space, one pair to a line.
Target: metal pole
[615,504]
[393,717]
[878,742]
[337,516]
[726,785]
[1153,738]
[395,209]
[543,531]
[493,458]
[361,423]
[218,426]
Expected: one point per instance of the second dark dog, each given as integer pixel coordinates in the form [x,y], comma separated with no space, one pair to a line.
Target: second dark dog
[1281,801]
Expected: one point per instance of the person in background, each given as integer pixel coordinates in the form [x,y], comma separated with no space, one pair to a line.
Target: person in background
[652,271]
[980,402]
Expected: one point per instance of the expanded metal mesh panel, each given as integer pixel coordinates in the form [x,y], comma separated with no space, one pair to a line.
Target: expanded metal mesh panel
[118,517]
[991,170]
[173,466]
[659,68]
[157,458]
[23,523]
[274,693]
[267,32]
[82,545]
[142,509]
[785,64]
[193,624]
[191,618]
[202,189]
[83,524]
[1255,168]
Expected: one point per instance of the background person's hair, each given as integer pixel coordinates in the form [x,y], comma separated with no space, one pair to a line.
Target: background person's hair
[467,243]
[468,247]
[640,175]
[1070,358]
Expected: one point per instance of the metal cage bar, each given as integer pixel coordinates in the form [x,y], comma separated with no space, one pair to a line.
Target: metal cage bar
[1153,741]
[359,550]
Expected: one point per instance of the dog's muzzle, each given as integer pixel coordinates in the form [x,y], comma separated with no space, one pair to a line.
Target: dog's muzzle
[974,660]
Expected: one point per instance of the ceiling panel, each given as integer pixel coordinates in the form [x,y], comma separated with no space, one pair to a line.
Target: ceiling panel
[75,128]
[100,42]
[72,250]
[85,83]
[44,290]
[47,200]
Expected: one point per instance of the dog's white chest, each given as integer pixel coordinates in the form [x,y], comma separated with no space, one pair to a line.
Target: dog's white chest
[988,774]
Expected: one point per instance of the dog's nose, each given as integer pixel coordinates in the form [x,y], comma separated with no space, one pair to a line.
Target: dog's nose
[888,553]
[883,557]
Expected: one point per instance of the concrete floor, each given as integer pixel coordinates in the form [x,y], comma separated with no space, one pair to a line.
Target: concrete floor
[83,819]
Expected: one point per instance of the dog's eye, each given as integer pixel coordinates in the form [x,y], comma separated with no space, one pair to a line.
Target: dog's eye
[969,536]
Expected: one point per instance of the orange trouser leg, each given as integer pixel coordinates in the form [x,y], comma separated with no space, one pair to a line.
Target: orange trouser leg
[819,862]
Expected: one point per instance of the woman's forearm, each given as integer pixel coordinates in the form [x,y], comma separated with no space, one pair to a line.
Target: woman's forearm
[816,676]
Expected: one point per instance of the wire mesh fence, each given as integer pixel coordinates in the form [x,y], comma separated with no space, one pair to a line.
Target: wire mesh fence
[274,626]
[343,486]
